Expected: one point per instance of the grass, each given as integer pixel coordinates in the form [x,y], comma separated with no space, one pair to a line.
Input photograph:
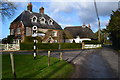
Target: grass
[27,67]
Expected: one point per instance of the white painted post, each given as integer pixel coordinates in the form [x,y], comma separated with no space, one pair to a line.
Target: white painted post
[12,64]
[35,49]
[34,28]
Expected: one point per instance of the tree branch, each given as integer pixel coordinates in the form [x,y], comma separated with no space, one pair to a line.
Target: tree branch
[4,8]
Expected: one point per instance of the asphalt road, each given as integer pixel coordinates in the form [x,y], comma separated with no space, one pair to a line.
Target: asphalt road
[90,63]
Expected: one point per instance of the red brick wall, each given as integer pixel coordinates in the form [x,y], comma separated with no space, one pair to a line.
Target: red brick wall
[16,25]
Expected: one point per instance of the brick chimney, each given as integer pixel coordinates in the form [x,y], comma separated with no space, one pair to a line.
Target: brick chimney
[89,26]
[41,10]
[29,6]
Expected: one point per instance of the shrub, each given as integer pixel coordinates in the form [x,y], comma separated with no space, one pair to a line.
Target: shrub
[50,46]
[26,46]
[71,45]
[47,45]
[30,39]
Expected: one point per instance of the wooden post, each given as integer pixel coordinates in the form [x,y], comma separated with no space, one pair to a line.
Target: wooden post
[83,45]
[12,64]
[48,58]
[61,56]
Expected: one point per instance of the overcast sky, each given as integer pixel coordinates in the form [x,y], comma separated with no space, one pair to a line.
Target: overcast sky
[69,13]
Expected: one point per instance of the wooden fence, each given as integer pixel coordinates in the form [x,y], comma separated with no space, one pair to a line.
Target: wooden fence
[10,47]
[87,46]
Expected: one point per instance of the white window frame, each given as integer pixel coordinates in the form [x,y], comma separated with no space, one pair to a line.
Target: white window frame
[50,22]
[18,30]
[12,32]
[42,22]
[35,19]
[54,33]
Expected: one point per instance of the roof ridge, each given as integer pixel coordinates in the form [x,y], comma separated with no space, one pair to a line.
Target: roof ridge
[74,27]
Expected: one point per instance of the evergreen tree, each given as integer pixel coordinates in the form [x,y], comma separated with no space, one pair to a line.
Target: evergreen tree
[114,29]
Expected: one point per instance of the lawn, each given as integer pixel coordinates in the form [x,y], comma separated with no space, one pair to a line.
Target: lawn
[27,67]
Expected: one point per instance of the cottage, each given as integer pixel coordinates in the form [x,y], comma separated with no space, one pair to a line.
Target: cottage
[79,34]
[48,29]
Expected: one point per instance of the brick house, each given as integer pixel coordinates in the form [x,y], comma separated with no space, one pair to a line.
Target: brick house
[48,29]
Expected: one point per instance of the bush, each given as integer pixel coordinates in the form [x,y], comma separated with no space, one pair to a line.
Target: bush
[26,46]
[71,45]
[50,46]
[47,45]
[29,39]
[92,42]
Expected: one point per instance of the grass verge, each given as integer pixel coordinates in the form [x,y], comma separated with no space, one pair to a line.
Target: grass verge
[27,67]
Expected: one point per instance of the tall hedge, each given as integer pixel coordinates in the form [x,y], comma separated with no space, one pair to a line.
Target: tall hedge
[50,46]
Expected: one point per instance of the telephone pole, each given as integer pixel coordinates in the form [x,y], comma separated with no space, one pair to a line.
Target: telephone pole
[98,21]
[119,5]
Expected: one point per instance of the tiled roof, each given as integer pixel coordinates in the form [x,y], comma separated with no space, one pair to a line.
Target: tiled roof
[26,17]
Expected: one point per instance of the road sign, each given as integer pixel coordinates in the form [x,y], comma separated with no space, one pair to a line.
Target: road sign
[34,28]
[34,35]
[40,34]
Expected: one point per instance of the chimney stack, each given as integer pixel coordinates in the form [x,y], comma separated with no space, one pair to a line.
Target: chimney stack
[42,10]
[29,6]
[89,26]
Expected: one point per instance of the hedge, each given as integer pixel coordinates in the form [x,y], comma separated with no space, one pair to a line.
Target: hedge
[50,46]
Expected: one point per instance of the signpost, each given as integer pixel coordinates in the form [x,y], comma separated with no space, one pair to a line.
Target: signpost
[34,28]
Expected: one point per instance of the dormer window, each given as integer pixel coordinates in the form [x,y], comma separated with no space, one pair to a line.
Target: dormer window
[50,22]
[42,20]
[34,19]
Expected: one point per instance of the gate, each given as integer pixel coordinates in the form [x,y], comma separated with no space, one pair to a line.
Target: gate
[10,47]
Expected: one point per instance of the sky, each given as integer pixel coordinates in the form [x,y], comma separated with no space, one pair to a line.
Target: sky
[67,13]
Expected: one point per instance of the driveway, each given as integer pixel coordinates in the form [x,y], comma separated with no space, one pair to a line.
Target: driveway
[98,63]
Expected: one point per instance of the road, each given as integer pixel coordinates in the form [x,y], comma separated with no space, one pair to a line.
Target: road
[89,63]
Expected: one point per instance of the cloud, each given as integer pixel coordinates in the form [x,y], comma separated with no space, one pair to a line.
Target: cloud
[21,4]
[94,26]
[85,11]
[64,25]
[105,8]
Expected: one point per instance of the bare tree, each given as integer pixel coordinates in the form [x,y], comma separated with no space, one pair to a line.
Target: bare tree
[7,9]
